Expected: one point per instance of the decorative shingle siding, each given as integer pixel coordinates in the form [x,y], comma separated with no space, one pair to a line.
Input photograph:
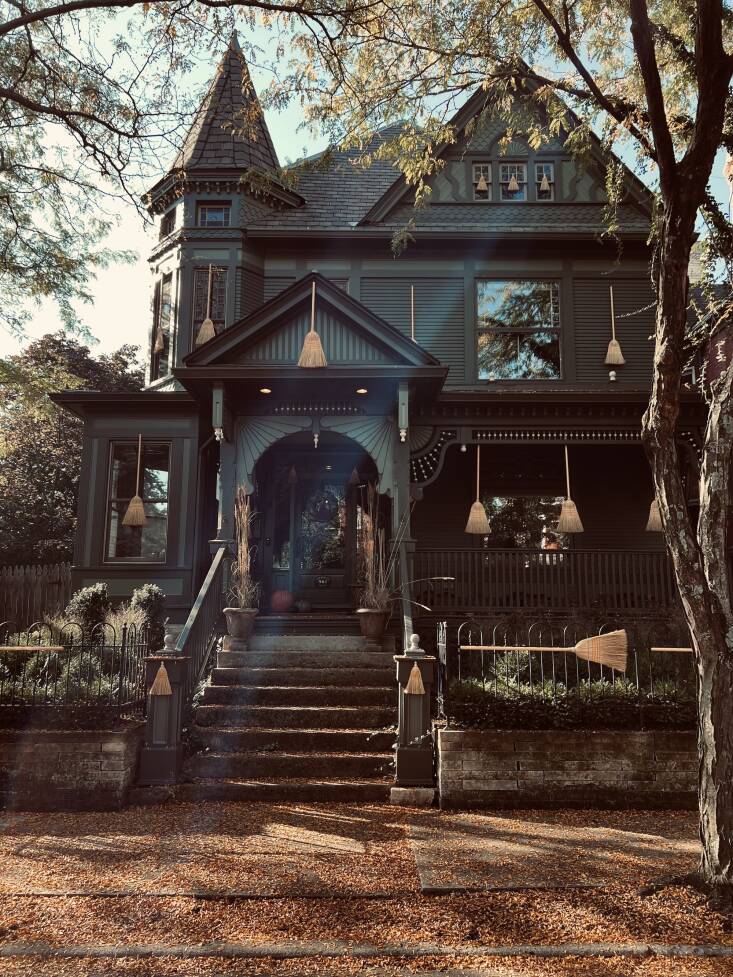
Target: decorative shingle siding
[439,315]
[593,328]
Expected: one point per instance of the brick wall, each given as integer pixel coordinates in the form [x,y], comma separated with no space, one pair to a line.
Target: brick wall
[489,768]
[59,770]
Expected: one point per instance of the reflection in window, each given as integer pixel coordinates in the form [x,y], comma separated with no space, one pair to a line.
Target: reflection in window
[323,528]
[518,330]
[524,522]
[544,181]
[145,543]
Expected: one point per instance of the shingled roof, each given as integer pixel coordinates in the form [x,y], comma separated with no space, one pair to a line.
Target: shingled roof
[229,129]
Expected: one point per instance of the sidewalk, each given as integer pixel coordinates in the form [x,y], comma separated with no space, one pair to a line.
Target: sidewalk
[307,889]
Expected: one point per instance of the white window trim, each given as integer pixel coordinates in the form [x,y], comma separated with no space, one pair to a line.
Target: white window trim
[553,184]
[485,164]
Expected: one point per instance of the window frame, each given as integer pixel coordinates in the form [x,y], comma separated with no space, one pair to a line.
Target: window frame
[551,180]
[164,357]
[109,502]
[488,175]
[558,329]
[504,184]
[225,205]
[221,275]
[168,223]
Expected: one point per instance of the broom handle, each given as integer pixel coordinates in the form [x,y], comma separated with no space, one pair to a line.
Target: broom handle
[139,453]
[567,470]
[412,312]
[208,293]
[478,470]
[313,308]
[514,648]
[613,314]
[680,651]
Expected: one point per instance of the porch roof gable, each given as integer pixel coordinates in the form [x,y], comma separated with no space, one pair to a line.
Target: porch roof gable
[378,341]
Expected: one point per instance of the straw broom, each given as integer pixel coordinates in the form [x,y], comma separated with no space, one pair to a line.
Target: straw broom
[312,355]
[569,521]
[161,683]
[135,515]
[614,356]
[654,522]
[478,521]
[414,682]
[601,649]
[206,330]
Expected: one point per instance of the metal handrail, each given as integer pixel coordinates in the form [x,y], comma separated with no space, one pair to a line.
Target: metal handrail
[199,633]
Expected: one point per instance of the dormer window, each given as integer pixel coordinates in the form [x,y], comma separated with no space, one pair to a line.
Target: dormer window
[213,215]
[513,179]
[544,175]
[482,181]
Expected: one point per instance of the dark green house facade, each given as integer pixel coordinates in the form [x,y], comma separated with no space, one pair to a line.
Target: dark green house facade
[490,330]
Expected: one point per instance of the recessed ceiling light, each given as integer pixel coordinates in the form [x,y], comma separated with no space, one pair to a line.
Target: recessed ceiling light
[362,390]
[329,468]
[265,390]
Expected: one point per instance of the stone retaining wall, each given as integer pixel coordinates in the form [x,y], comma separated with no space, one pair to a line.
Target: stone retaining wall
[60,770]
[554,768]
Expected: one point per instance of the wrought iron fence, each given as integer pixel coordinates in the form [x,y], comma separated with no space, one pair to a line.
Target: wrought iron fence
[72,669]
[491,674]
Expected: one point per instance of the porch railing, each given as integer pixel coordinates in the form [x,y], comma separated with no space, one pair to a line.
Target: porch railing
[505,580]
[200,631]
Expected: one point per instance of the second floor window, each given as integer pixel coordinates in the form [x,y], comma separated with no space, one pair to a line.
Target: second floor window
[209,293]
[482,181]
[147,543]
[213,215]
[513,180]
[544,176]
[162,331]
[168,223]
[518,329]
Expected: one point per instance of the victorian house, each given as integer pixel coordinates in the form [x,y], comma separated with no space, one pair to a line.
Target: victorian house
[474,364]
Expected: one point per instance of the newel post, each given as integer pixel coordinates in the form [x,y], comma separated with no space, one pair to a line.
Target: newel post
[165,680]
[415,678]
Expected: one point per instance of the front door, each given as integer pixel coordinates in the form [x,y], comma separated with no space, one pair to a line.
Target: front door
[309,528]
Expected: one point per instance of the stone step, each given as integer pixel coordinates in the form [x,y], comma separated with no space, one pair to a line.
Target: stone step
[303,766]
[304,676]
[297,717]
[242,740]
[325,791]
[306,695]
[318,642]
[304,658]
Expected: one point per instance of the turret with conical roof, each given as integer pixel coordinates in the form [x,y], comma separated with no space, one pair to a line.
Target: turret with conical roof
[226,172]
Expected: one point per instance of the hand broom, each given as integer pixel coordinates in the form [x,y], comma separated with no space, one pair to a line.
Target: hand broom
[600,649]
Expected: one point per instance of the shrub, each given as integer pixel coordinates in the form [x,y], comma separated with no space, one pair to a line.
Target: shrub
[89,606]
[149,600]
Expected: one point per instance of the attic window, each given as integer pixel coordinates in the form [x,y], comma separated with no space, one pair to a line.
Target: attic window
[213,215]
[482,181]
[513,179]
[544,175]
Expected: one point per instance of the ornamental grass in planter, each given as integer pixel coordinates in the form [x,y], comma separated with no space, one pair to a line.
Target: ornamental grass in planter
[244,591]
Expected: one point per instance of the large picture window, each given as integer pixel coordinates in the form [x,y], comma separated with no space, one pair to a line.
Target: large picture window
[144,543]
[518,330]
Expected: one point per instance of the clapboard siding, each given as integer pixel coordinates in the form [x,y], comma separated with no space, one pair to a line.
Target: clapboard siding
[276,284]
[249,294]
[592,311]
[439,315]
[340,343]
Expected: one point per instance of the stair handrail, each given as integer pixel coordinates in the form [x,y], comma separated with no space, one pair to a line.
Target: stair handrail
[200,631]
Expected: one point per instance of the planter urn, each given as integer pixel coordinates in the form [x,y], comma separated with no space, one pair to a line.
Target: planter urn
[372,623]
[240,621]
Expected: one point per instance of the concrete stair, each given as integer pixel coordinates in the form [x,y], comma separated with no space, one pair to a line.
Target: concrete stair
[296,717]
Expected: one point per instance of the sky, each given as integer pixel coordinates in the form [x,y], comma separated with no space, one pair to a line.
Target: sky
[120,311]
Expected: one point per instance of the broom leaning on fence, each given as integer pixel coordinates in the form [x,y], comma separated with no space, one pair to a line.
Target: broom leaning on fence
[609,649]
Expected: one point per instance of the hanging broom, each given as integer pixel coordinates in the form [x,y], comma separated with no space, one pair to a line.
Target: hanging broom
[207,330]
[569,521]
[414,682]
[161,683]
[654,523]
[135,515]
[600,649]
[513,185]
[614,356]
[412,312]
[312,355]
[478,521]
[159,341]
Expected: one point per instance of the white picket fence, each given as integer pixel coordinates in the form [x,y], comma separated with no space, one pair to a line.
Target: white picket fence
[28,593]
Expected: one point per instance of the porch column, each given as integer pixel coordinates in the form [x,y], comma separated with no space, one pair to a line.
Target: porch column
[227,475]
[401,506]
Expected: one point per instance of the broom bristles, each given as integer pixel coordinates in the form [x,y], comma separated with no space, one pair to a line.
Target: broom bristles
[478,521]
[312,355]
[206,332]
[605,649]
[614,356]
[414,682]
[135,515]
[161,683]
[654,523]
[569,521]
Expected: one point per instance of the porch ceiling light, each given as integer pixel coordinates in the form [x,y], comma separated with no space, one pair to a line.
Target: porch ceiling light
[265,390]
[362,390]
